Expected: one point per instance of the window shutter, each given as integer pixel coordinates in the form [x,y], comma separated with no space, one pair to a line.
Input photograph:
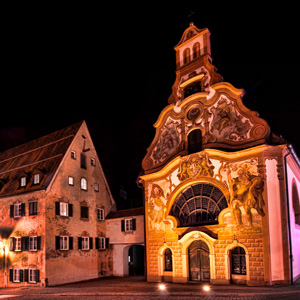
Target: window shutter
[57,208]
[91,242]
[79,243]
[21,275]
[26,275]
[12,244]
[70,210]
[133,224]
[70,243]
[37,275]
[106,243]
[38,243]
[12,211]
[11,275]
[122,225]
[97,242]
[35,210]
[57,242]
[22,209]
[25,243]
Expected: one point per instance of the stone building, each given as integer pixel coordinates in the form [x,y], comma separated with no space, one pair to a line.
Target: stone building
[53,202]
[221,189]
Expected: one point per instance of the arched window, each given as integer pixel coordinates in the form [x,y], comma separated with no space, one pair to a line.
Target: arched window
[83,184]
[195,141]
[196,50]
[296,204]
[238,258]
[168,260]
[198,204]
[186,56]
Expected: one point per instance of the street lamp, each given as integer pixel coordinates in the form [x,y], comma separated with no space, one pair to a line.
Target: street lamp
[4,261]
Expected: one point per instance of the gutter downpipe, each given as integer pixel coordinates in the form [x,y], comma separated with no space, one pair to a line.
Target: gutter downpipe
[291,151]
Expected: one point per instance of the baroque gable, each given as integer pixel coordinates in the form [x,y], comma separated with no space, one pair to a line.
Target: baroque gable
[224,123]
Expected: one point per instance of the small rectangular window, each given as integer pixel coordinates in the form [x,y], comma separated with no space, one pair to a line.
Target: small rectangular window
[85,243]
[128,225]
[32,208]
[100,214]
[33,243]
[84,212]
[82,161]
[36,178]
[17,210]
[73,154]
[102,243]
[23,181]
[64,243]
[64,211]
[18,246]
[32,276]
[96,187]
[93,162]
[17,275]
[83,184]
[71,180]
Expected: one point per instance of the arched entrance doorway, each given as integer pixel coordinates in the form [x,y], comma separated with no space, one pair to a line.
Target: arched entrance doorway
[136,260]
[199,264]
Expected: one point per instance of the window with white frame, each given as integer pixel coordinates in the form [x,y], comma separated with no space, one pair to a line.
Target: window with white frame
[85,243]
[36,178]
[33,243]
[17,275]
[63,209]
[128,225]
[100,214]
[64,242]
[71,180]
[17,210]
[18,245]
[96,187]
[32,276]
[83,184]
[23,181]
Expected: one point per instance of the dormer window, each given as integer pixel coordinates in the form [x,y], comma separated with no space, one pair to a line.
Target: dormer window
[36,178]
[23,181]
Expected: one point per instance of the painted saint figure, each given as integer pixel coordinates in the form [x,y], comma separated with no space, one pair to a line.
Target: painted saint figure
[245,191]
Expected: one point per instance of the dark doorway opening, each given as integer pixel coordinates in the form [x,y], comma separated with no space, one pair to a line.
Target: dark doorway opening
[136,260]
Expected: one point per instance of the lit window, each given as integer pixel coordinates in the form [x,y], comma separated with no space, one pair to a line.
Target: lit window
[33,243]
[36,178]
[83,184]
[96,187]
[32,276]
[63,209]
[17,275]
[18,246]
[85,243]
[100,214]
[23,181]
[93,162]
[73,154]
[71,180]
[64,243]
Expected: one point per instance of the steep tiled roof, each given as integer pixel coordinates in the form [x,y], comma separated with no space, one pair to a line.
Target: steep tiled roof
[41,156]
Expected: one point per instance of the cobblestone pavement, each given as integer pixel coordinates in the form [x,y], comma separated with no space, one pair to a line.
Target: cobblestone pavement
[155,297]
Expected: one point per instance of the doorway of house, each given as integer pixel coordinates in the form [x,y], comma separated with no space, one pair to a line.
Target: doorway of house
[199,265]
[136,260]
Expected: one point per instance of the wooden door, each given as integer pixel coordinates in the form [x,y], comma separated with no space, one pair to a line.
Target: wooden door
[199,264]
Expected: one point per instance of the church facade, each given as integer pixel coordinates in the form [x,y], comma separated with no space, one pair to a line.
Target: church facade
[221,190]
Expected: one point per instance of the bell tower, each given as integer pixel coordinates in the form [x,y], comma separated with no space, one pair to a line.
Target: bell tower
[194,71]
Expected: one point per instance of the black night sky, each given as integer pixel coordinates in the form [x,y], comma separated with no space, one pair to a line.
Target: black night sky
[113,65]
